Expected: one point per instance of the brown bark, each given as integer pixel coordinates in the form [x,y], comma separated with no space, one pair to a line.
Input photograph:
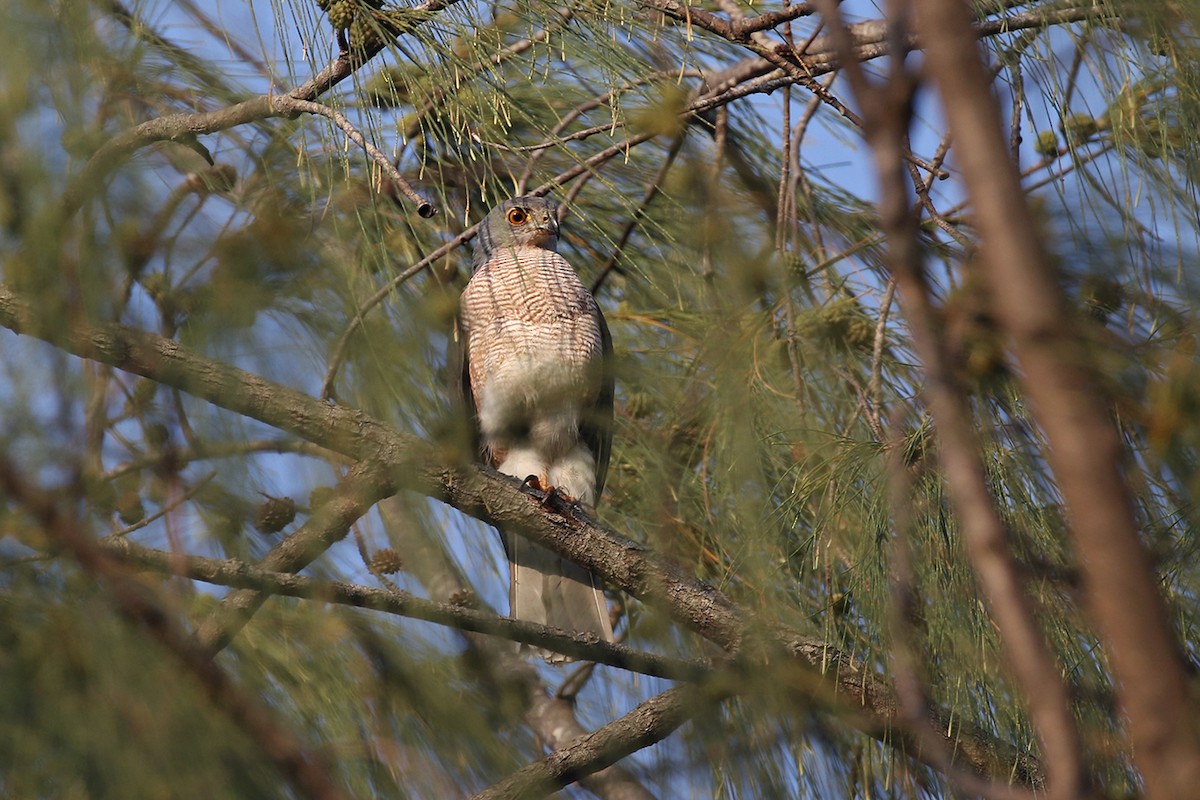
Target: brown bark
[649,722]
[1084,448]
[887,115]
[485,494]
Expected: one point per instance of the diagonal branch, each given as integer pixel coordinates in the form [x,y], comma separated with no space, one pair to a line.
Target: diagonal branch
[1084,448]
[888,116]
[266,582]
[650,722]
[495,499]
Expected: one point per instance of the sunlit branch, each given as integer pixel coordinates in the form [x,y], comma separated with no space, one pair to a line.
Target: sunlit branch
[289,104]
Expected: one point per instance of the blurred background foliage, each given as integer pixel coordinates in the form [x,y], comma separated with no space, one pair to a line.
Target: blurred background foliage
[764,374]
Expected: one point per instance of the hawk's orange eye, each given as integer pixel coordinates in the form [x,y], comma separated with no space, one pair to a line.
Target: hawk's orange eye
[517,216]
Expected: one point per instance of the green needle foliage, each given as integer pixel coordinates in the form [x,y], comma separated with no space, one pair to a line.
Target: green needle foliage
[772,434]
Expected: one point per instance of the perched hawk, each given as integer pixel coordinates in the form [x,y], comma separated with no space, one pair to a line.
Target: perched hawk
[536,377]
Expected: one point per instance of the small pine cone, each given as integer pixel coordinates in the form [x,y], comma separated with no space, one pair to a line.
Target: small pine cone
[156,285]
[101,494]
[364,33]
[157,435]
[464,598]
[1046,144]
[342,14]
[1080,128]
[860,333]
[274,514]
[386,561]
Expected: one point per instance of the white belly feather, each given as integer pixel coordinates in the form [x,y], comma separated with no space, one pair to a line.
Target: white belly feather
[535,367]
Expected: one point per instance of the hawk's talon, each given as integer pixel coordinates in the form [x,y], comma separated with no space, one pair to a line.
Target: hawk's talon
[562,503]
[532,486]
[552,498]
[532,482]
[555,498]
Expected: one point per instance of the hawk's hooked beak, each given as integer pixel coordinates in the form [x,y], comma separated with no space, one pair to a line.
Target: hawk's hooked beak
[545,232]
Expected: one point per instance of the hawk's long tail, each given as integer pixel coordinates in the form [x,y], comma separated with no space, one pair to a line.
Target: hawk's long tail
[549,589]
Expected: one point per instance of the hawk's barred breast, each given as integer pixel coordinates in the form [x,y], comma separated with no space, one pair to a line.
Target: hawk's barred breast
[526,310]
[535,375]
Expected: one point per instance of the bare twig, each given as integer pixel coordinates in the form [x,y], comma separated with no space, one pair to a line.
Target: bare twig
[286,104]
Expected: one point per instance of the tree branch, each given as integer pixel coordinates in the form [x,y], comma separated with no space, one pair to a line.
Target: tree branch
[1084,448]
[354,496]
[887,111]
[869,42]
[650,722]
[495,499]
[266,582]
[292,105]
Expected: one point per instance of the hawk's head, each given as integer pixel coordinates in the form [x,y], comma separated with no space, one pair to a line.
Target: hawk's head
[520,222]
